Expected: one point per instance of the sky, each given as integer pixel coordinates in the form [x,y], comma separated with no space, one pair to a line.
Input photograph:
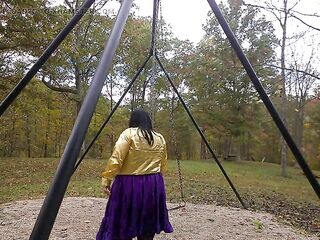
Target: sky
[186,17]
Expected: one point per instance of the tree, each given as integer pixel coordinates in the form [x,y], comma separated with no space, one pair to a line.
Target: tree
[219,81]
[301,85]
[283,12]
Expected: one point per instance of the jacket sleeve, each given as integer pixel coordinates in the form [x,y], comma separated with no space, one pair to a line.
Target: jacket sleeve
[115,162]
[164,159]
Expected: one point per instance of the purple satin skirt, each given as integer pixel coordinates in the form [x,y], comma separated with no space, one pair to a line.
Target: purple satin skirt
[136,207]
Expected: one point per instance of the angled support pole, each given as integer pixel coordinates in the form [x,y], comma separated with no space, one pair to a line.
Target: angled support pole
[45,56]
[263,95]
[112,112]
[200,132]
[52,202]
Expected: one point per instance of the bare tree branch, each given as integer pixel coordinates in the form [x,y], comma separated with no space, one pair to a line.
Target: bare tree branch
[68,4]
[294,5]
[305,14]
[100,4]
[308,25]
[271,9]
[90,20]
[296,70]
[58,89]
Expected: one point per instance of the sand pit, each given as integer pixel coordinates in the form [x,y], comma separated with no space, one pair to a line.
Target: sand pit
[79,218]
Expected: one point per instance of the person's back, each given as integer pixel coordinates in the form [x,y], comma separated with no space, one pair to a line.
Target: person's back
[143,158]
[133,155]
[137,204]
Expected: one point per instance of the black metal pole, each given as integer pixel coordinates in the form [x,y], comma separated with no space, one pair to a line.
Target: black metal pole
[45,56]
[263,95]
[52,202]
[200,132]
[112,112]
[154,25]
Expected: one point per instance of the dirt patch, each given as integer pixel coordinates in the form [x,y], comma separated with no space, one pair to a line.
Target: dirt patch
[304,215]
[79,218]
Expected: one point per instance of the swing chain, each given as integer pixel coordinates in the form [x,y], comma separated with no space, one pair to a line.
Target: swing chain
[174,139]
[159,33]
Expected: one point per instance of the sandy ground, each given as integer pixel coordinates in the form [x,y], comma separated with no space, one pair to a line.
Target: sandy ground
[79,218]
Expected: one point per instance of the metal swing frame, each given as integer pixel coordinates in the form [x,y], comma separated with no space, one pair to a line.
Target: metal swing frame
[68,162]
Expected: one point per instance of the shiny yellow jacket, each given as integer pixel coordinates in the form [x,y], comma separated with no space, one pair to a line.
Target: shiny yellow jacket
[132,155]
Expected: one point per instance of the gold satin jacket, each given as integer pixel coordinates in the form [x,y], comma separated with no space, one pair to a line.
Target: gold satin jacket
[132,155]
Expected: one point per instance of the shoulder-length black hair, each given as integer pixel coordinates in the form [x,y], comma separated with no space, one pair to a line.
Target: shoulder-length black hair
[141,119]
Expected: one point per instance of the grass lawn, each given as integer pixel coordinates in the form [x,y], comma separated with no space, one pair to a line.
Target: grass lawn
[259,184]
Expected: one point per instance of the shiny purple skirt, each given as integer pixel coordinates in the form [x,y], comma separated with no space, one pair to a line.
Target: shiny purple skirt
[136,207]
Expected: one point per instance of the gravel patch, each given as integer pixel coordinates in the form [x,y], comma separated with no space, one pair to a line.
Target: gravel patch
[79,218]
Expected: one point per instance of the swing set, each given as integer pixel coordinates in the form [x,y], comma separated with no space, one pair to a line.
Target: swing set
[68,163]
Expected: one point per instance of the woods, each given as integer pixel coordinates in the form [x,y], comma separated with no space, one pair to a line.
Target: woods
[208,74]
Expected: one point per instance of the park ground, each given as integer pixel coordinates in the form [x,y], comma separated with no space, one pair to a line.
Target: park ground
[290,199]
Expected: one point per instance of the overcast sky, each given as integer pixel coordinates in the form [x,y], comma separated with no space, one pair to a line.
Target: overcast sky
[186,17]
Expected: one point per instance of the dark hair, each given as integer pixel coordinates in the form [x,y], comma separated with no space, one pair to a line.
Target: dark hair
[141,119]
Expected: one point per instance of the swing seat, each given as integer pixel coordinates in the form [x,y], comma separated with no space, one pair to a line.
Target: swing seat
[231,157]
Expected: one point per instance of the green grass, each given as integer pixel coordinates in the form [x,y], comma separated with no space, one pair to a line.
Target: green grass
[30,178]
[251,178]
[259,184]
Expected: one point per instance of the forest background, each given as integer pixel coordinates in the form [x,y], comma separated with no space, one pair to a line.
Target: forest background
[208,75]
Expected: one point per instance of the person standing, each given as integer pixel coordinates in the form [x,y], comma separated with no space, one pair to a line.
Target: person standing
[133,179]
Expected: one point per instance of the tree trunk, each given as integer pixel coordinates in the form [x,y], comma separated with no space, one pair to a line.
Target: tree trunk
[143,97]
[248,146]
[12,140]
[56,144]
[111,94]
[28,135]
[227,147]
[203,147]
[283,98]
[60,135]
[298,129]
[133,97]
[80,94]
[111,141]
[46,152]
[46,143]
